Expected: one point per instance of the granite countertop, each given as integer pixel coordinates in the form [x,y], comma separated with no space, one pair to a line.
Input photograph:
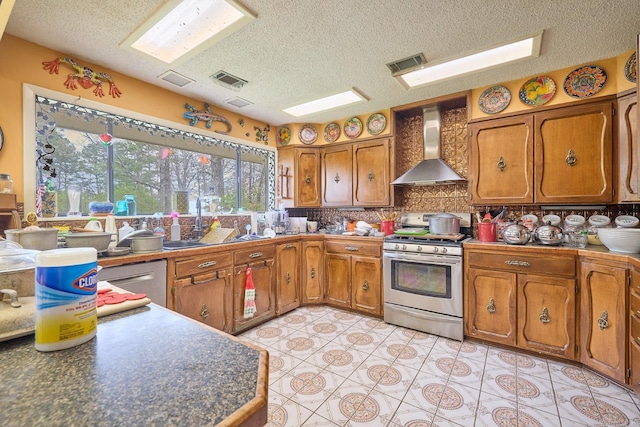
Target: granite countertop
[147,366]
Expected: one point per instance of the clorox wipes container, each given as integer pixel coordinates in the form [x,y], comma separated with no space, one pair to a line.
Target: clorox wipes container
[66,293]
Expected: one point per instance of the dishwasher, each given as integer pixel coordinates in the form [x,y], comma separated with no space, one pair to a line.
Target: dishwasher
[146,277]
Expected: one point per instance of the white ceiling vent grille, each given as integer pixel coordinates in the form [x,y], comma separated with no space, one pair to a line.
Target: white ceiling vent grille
[238,102]
[227,80]
[404,65]
[176,79]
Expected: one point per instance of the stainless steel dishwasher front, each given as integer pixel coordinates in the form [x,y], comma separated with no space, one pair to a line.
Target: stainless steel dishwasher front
[146,277]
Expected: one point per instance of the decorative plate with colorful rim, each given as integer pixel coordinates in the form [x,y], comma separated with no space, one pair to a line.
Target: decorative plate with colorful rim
[353,127]
[631,68]
[538,90]
[585,81]
[283,136]
[494,99]
[332,132]
[308,134]
[376,123]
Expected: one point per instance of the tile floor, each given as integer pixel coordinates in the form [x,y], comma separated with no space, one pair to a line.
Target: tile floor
[329,367]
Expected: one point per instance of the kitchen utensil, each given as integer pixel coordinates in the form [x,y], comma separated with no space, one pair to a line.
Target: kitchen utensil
[444,223]
[145,244]
[625,240]
[516,234]
[548,234]
[93,239]
[487,231]
[42,239]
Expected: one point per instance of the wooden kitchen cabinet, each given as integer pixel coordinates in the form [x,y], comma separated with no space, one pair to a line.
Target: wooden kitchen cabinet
[312,283]
[628,171]
[522,298]
[261,261]
[202,289]
[633,376]
[299,182]
[353,272]
[288,277]
[603,317]
[559,155]
[357,174]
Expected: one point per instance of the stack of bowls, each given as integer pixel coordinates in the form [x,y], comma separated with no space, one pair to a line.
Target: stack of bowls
[624,240]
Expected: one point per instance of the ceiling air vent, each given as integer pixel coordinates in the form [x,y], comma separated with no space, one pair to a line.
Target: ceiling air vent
[227,80]
[176,79]
[238,102]
[407,64]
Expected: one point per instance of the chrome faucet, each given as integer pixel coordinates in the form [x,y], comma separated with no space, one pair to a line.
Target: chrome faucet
[197,228]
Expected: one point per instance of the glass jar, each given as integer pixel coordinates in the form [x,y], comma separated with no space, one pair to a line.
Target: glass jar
[131,205]
[595,222]
[6,185]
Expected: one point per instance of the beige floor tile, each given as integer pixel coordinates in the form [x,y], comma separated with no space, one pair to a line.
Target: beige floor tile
[343,403]
[375,410]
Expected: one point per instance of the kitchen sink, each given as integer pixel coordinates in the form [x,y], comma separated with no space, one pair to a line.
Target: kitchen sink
[183,244]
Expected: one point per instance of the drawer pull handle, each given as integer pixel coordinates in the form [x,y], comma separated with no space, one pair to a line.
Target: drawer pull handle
[207,264]
[288,277]
[501,164]
[603,321]
[308,179]
[517,263]
[255,255]
[204,312]
[544,316]
[365,285]
[491,308]
[351,248]
[571,158]
[313,272]
[289,246]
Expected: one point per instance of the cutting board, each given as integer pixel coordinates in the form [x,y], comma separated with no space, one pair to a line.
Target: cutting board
[219,235]
[108,309]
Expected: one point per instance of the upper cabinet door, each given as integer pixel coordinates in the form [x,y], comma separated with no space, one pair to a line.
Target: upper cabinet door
[627,143]
[337,176]
[573,152]
[307,177]
[371,173]
[501,161]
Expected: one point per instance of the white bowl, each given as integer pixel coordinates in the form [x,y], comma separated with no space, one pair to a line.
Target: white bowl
[624,240]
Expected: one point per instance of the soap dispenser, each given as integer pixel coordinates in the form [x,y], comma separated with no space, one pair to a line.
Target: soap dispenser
[175,227]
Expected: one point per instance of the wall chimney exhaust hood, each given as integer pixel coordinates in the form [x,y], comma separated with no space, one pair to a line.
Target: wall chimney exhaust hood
[432,170]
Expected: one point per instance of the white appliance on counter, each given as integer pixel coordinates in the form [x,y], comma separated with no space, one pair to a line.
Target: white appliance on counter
[145,277]
[423,277]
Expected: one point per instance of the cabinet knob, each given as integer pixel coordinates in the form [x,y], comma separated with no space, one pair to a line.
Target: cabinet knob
[204,312]
[308,179]
[370,175]
[491,308]
[288,277]
[571,158]
[365,285]
[544,316]
[313,272]
[501,164]
[337,178]
[603,321]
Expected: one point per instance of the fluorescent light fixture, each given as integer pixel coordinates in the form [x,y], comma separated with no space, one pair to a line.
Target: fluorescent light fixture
[512,52]
[180,29]
[326,103]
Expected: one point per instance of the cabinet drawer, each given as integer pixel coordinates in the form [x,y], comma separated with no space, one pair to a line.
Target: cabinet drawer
[202,264]
[525,263]
[355,248]
[634,305]
[254,254]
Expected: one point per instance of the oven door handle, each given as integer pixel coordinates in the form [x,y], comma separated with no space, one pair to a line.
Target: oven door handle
[446,260]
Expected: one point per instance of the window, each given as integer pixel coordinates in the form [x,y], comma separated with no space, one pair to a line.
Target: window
[108,156]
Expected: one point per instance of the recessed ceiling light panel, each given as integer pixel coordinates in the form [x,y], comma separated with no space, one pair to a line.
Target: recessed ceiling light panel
[326,103]
[180,29]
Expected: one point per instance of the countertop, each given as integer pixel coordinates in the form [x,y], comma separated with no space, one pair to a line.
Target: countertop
[147,366]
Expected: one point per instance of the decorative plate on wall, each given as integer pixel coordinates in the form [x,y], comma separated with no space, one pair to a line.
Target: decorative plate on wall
[352,127]
[494,99]
[538,90]
[332,132]
[284,135]
[631,68]
[376,123]
[308,134]
[585,81]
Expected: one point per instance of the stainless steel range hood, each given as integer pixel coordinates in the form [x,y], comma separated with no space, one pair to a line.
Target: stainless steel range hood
[432,170]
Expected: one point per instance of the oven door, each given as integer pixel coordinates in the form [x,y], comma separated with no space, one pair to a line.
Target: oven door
[424,281]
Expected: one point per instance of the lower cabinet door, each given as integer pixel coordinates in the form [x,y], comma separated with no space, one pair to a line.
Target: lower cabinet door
[206,298]
[312,272]
[338,280]
[288,280]
[491,305]
[546,314]
[366,285]
[264,281]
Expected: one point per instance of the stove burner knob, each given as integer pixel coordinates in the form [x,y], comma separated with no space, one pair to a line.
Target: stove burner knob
[443,250]
[419,248]
[397,248]
[435,250]
[404,247]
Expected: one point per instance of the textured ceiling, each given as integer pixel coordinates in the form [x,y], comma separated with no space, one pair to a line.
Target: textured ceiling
[299,50]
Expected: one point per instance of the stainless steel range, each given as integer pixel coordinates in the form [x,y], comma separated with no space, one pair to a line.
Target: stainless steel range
[423,276]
